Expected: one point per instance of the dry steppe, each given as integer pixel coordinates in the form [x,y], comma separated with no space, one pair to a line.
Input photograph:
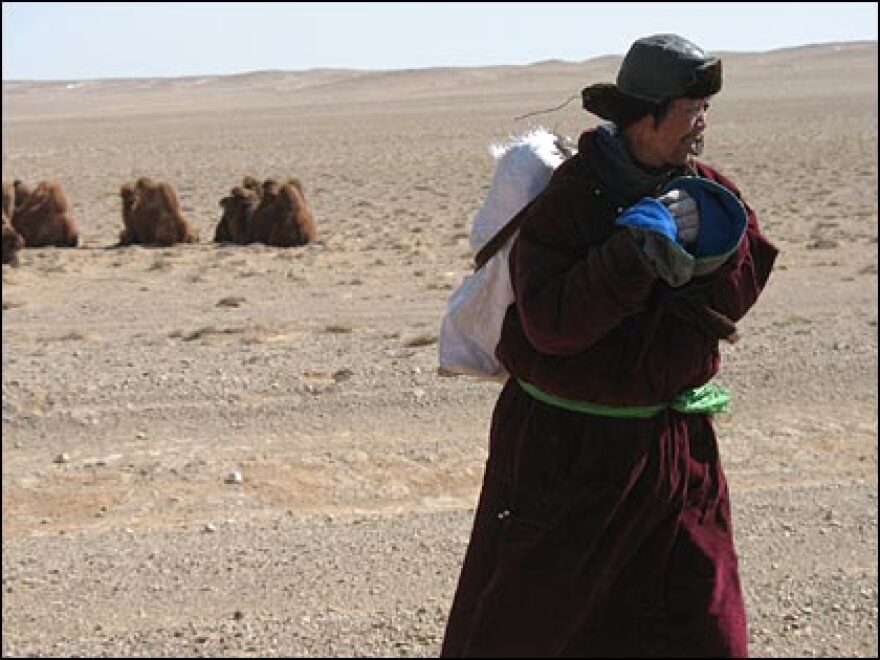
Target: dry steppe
[136,379]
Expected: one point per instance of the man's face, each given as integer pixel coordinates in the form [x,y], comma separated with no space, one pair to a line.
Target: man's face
[678,134]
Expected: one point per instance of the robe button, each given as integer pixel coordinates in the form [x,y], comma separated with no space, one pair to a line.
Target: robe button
[620,209]
[597,192]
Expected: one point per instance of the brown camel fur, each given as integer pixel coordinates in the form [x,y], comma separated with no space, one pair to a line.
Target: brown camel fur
[151,215]
[44,217]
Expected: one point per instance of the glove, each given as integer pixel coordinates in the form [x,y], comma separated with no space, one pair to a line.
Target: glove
[654,229]
[686,213]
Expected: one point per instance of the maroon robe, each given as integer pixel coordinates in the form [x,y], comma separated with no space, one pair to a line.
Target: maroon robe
[599,536]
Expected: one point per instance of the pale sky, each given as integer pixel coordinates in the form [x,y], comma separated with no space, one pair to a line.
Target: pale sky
[86,40]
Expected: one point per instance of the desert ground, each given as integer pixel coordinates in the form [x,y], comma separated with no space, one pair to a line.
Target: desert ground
[136,379]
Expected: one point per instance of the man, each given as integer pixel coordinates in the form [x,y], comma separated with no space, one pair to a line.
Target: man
[603,527]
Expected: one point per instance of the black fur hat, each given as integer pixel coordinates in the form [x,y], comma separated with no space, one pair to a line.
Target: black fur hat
[656,68]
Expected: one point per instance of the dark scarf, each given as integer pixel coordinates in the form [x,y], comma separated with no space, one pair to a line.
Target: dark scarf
[624,179]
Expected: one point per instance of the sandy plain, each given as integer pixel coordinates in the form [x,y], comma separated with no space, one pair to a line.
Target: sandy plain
[135,379]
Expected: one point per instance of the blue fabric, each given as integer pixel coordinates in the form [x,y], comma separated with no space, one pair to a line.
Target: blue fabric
[723,218]
[652,215]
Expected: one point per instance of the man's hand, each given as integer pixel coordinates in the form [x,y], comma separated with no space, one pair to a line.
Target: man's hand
[655,231]
[686,213]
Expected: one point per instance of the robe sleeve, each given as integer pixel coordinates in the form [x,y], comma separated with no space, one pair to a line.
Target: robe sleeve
[748,269]
[567,301]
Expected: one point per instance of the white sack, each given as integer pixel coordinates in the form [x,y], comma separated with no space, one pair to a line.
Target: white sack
[523,170]
[471,326]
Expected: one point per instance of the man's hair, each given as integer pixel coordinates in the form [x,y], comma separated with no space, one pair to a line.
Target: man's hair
[660,110]
[630,110]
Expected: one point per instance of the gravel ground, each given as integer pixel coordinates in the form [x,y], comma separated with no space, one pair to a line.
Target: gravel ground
[136,381]
[380,586]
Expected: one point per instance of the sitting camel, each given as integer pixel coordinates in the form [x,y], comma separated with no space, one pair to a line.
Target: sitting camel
[12,242]
[151,215]
[43,217]
[238,211]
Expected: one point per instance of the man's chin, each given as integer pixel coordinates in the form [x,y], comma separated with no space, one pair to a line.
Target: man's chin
[680,159]
[695,148]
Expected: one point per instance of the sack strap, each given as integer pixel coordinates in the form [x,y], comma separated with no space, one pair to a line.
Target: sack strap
[566,149]
[499,239]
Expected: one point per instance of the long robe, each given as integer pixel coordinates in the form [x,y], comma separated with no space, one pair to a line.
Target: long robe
[597,536]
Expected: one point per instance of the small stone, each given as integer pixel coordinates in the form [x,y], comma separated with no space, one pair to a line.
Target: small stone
[63,457]
[233,477]
[230,301]
[209,528]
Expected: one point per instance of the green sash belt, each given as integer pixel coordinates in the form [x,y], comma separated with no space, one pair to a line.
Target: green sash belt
[708,398]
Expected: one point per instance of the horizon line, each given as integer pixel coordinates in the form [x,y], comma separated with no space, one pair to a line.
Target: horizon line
[854,42]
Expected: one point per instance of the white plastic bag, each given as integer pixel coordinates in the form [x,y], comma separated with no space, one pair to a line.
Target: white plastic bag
[472,323]
[471,326]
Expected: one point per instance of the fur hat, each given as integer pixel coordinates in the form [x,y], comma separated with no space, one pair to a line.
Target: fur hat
[656,68]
